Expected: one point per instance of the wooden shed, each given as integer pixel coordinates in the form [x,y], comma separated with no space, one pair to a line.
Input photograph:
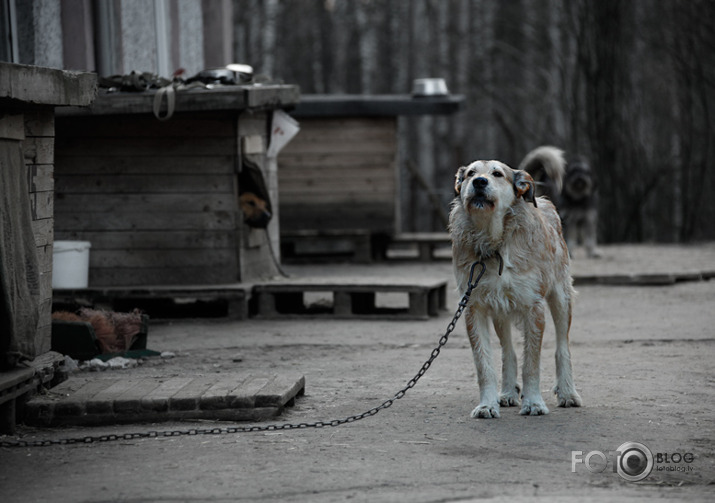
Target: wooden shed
[28,97]
[339,177]
[159,200]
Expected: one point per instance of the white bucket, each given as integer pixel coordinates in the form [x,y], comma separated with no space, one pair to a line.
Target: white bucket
[70,264]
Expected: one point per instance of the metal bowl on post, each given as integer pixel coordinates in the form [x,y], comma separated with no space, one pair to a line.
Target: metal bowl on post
[422,88]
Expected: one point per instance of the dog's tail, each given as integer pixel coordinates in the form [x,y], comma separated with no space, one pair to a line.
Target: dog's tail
[550,160]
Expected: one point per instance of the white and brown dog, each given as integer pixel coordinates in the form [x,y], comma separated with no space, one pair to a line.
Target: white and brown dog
[496,218]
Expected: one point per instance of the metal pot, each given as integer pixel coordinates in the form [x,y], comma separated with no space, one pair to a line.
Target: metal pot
[429,87]
[232,74]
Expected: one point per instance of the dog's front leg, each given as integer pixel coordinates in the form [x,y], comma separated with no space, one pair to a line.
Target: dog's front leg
[532,403]
[561,311]
[478,333]
[509,388]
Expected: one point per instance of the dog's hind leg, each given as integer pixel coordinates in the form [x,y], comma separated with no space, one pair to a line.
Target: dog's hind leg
[570,232]
[478,333]
[509,396]
[532,403]
[564,389]
[590,230]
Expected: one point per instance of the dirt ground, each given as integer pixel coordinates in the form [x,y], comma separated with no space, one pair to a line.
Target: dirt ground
[643,355]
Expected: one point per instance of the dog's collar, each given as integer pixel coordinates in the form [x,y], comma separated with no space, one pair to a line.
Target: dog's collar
[493,254]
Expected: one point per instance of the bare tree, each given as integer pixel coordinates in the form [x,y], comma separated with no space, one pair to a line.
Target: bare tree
[628,84]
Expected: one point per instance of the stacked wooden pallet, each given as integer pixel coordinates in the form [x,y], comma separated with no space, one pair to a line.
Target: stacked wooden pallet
[420,299]
[427,244]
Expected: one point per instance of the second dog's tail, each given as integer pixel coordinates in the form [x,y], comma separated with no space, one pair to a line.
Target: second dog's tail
[550,160]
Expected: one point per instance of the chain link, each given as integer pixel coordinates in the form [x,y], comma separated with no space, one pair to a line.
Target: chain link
[473,282]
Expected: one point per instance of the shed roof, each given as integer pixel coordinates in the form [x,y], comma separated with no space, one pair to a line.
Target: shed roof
[22,85]
[237,98]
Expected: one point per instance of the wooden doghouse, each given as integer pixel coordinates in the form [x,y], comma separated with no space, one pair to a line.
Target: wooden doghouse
[339,177]
[159,200]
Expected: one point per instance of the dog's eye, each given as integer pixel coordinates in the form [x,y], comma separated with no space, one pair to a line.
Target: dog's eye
[498,174]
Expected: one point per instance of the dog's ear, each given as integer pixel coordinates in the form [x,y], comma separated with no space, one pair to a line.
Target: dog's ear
[458,179]
[524,186]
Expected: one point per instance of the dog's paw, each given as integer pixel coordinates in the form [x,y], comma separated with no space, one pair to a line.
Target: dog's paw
[509,398]
[486,411]
[533,407]
[567,398]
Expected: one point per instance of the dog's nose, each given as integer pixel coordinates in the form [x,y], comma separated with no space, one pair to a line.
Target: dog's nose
[480,182]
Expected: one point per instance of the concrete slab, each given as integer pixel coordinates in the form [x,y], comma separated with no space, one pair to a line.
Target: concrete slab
[643,363]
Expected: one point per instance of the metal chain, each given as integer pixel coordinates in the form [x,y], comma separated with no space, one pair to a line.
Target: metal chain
[473,282]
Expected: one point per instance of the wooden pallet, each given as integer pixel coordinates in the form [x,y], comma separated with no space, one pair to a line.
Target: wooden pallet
[13,385]
[17,385]
[426,243]
[230,397]
[160,301]
[356,300]
[306,245]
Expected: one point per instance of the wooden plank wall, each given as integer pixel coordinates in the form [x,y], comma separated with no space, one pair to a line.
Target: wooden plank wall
[38,150]
[157,200]
[340,173]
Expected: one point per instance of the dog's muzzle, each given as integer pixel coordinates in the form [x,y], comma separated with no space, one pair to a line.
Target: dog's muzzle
[579,185]
[478,191]
[259,221]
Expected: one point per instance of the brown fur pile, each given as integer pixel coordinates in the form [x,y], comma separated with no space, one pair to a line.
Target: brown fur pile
[116,332]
